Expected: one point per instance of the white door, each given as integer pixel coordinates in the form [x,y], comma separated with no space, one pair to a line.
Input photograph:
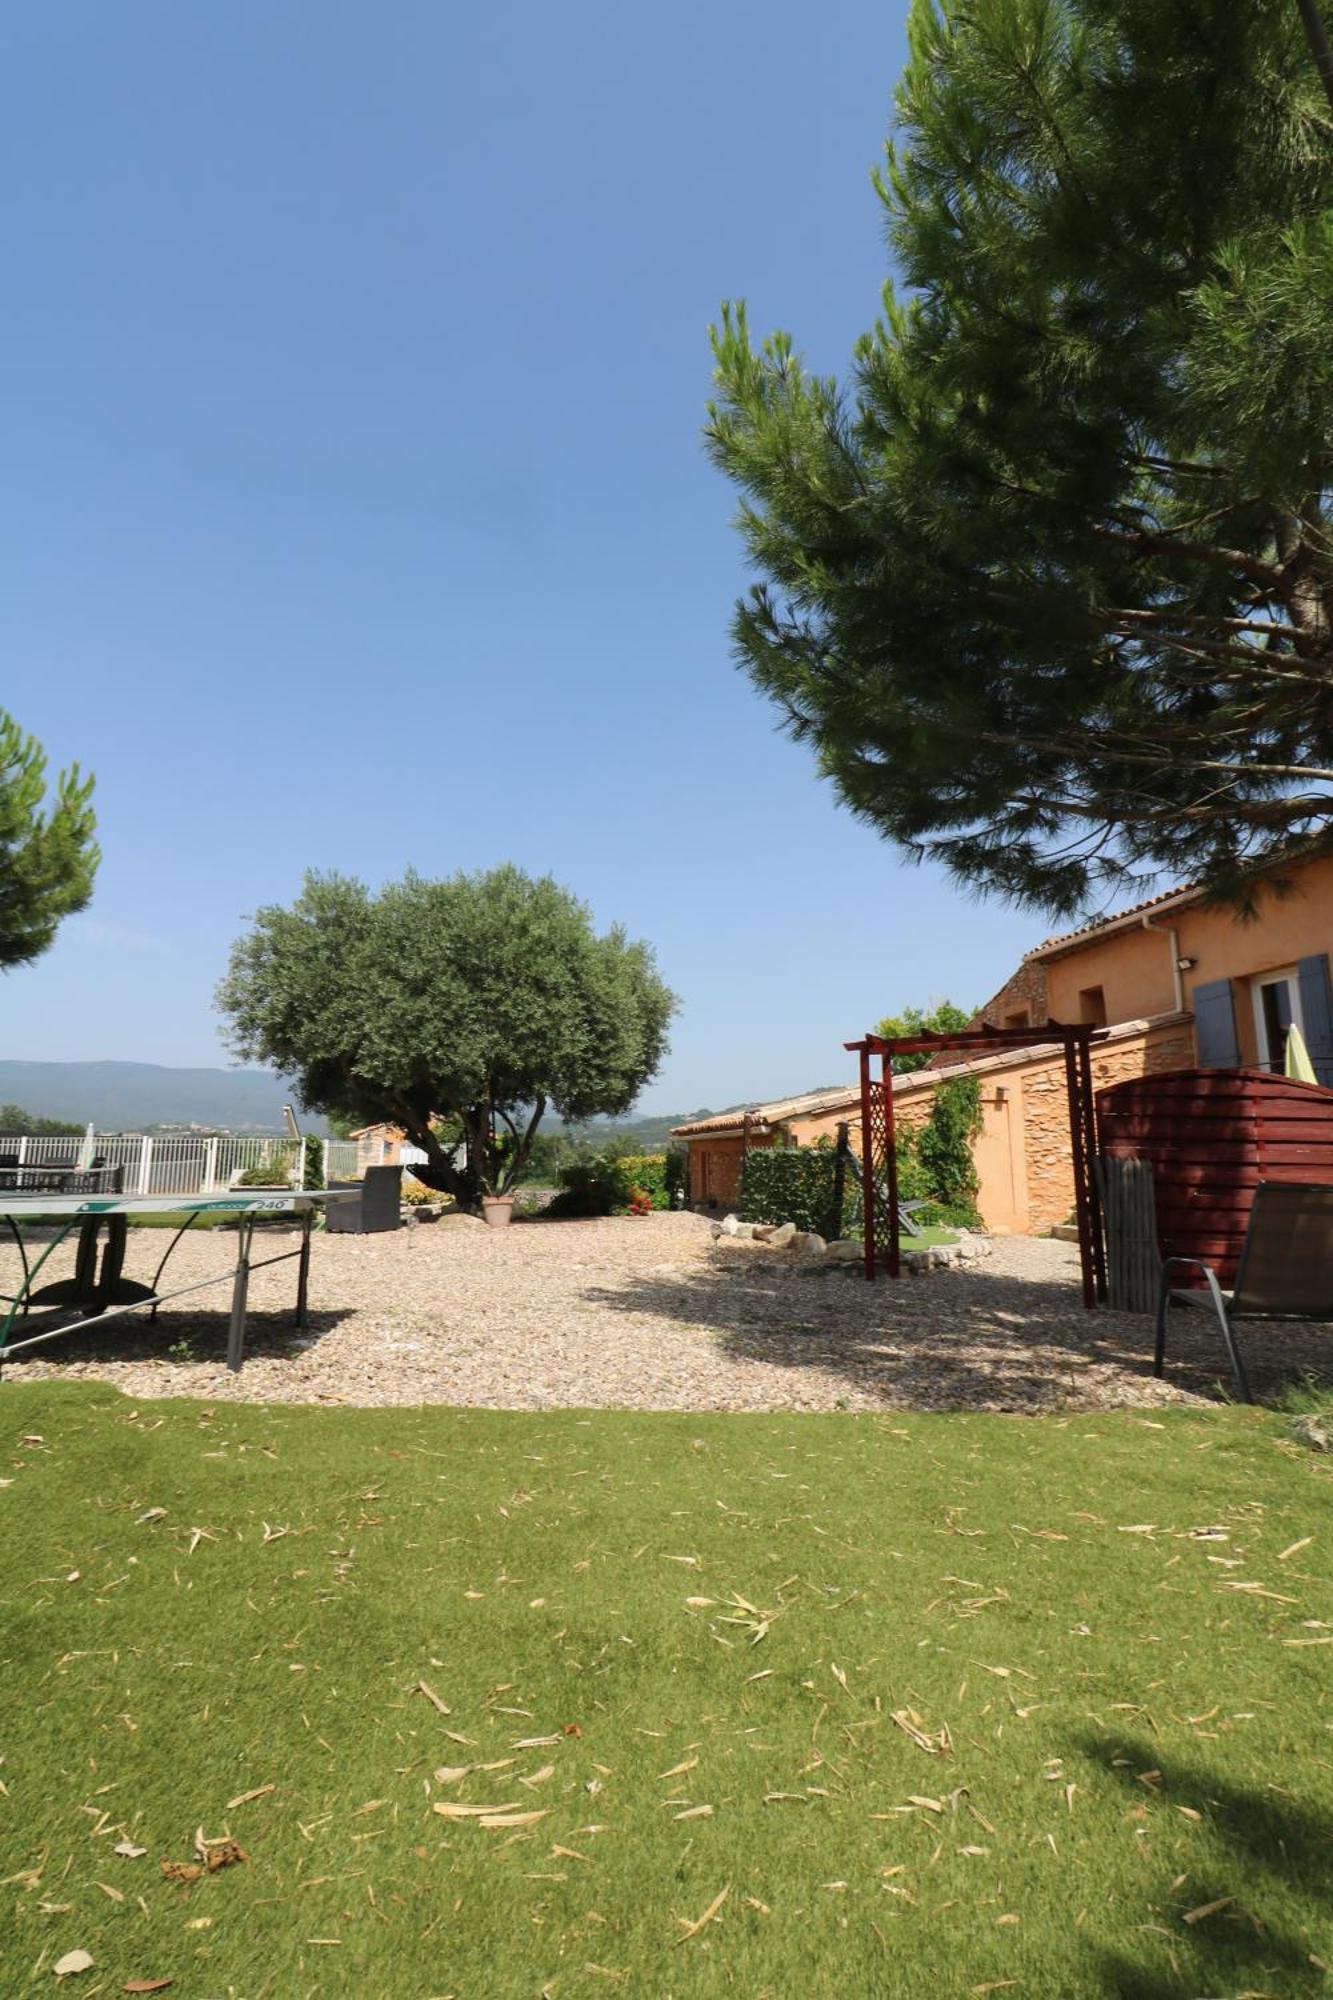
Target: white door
[1277,1007]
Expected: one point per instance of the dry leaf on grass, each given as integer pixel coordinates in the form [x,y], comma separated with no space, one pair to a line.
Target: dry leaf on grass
[692,1930]
[450,1809]
[452,1774]
[910,1723]
[432,1698]
[129,1850]
[512,1818]
[1207,1910]
[147,1985]
[181,1871]
[217,1854]
[248,1798]
[73,1961]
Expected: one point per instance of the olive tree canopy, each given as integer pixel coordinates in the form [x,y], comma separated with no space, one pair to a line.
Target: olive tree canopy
[459,1010]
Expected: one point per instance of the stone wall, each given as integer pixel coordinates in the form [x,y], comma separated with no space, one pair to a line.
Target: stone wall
[715,1167]
[1050,1173]
[1027,989]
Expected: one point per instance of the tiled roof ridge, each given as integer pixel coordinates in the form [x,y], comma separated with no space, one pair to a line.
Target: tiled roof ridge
[1013,1055]
[1186,890]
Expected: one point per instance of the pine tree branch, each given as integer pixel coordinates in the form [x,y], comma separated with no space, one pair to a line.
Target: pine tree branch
[1317,36]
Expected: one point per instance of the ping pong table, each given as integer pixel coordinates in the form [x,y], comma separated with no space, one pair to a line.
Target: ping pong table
[99,1290]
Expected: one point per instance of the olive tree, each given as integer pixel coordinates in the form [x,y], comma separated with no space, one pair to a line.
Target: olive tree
[458,1010]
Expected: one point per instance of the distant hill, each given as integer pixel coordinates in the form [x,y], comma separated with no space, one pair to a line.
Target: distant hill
[129,1096]
[649,1135]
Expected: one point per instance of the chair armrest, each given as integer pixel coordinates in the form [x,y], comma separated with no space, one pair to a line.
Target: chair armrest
[1194,1263]
[1170,1264]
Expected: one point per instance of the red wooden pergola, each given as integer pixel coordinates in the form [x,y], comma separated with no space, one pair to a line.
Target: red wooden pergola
[879,1160]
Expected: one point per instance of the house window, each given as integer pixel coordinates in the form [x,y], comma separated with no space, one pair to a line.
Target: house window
[1277,1007]
[1092,1006]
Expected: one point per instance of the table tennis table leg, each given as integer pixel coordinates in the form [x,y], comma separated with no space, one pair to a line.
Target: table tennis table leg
[303,1270]
[239,1290]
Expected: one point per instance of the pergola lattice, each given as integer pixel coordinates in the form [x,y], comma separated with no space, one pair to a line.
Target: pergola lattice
[879,1160]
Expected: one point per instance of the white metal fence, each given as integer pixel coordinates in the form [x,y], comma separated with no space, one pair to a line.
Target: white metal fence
[183,1163]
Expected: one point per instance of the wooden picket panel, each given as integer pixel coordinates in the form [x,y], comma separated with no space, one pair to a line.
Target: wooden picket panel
[1133,1263]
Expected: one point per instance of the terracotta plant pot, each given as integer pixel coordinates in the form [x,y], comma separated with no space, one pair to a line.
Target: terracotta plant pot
[497,1209]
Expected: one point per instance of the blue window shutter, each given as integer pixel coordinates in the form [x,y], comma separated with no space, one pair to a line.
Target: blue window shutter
[1317,1013]
[1215,1026]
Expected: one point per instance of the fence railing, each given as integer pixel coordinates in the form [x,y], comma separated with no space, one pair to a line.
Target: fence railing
[183,1163]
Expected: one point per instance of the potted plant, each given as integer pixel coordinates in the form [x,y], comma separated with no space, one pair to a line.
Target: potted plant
[497,1210]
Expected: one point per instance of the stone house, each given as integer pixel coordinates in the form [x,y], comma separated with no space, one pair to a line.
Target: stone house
[1172,982]
[717,1146]
[384,1146]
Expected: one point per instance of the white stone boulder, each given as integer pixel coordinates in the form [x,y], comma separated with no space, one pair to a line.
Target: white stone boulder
[782,1235]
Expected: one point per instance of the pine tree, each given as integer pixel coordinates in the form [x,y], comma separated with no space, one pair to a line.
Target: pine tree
[1049,584]
[48,856]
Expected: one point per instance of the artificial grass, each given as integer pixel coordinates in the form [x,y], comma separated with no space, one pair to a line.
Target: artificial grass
[943,1704]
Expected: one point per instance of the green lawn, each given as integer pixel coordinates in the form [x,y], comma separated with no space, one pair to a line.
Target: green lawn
[927,1238]
[915,1705]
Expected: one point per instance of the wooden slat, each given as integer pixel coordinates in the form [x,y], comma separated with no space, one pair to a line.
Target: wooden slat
[1212,1137]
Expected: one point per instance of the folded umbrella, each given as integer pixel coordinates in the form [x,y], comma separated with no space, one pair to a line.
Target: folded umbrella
[1298,1062]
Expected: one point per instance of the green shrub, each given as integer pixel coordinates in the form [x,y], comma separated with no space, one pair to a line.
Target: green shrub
[274,1169]
[314,1163]
[795,1184]
[676,1173]
[649,1172]
[593,1186]
[945,1145]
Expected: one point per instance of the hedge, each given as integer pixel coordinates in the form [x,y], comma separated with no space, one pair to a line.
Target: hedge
[798,1184]
[935,1167]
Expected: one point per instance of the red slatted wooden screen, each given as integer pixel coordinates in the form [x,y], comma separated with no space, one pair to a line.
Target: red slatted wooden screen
[1212,1135]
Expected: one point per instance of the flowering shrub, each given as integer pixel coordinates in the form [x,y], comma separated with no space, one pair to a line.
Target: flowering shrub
[640,1201]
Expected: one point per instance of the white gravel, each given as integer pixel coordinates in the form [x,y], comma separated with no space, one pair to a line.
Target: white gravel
[646,1313]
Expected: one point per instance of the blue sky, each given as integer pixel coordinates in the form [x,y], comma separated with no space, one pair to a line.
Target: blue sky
[356,515]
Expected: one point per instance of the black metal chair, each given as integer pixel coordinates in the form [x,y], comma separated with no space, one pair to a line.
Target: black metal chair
[1285,1270]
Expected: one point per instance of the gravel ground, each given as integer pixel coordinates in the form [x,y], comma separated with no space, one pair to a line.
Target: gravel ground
[647,1314]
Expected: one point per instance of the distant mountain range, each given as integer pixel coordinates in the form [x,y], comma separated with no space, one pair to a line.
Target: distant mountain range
[130,1096]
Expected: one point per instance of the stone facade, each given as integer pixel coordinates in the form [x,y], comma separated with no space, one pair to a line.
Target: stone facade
[1045,1112]
[1020,1002]
[715,1166]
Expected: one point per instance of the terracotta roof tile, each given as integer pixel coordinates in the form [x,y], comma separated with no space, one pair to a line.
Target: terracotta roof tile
[1186,893]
